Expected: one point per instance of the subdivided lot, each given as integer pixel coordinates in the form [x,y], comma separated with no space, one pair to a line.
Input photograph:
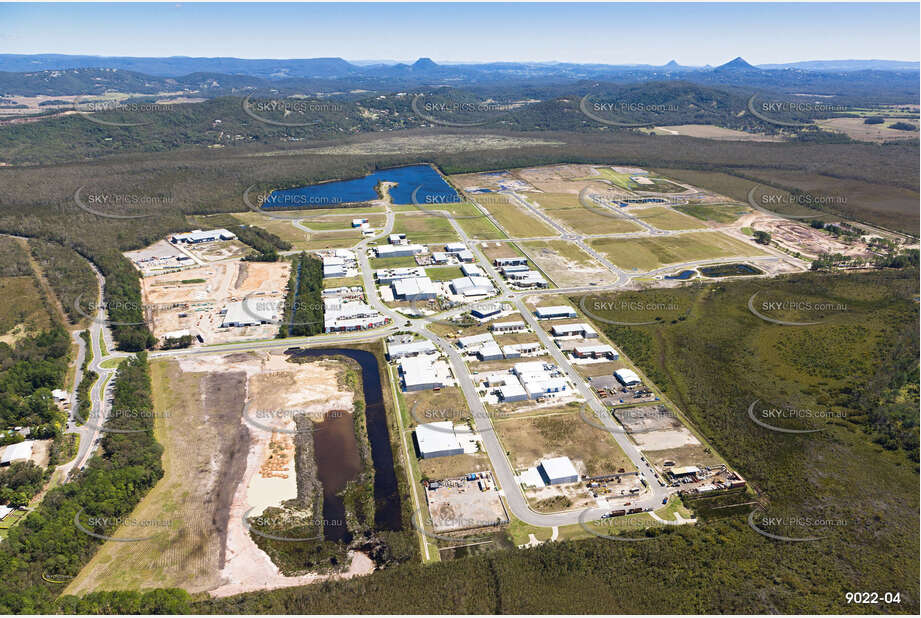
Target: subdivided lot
[333,240]
[453,466]
[471,219]
[566,264]
[446,404]
[444,273]
[566,209]
[194,495]
[393,262]
[687,455]
[666,219]
[515,220]
[460,505]
[653,252]
[717,213]
[592,450]
[424,228]
[494,250]
[340,222]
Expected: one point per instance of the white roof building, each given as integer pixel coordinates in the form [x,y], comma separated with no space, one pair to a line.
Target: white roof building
[59,394]
[489,351]
[473,286]
[397,239]
[419,373]
[196,236]
[595,351]
[455,247]
[388,275]
[512,390]
[438,440]
[627,377]
[510,261]
[345,315]
[413,288]
[398,250]
[21,451]
[465,256]
[515,268]
[473,341]
[472,270]
[399,350]
[559,311]
[507,327]
[439,257]
[569,330]
[559,470]
[251,312]
[358,222]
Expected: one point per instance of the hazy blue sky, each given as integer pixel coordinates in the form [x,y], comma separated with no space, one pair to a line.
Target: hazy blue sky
[611,33]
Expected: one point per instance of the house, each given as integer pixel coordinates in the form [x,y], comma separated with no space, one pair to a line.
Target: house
[438,440]
[627,377]
[558,470]
[508,327]
[570,330]
[21,451]
[413,288]
[419,373]
[414,348]
[595,351]
[553,313]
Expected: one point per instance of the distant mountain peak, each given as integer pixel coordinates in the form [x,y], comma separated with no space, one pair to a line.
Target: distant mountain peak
[671,64]
[425,63]
[735,64]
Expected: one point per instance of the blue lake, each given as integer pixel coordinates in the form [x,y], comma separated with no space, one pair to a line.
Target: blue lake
[432,189]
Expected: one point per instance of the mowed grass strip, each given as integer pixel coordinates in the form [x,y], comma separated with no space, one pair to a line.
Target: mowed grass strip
[515,220]
[649,253]
[667,219]
[566,209]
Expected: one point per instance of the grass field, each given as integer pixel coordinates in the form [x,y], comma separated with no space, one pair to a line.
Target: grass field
[392,262]
[515,220]
[666,219]
[492,251]
[283,229]
[650,253]
[531,439]
[23,309]
[566,209]
[444,273]
[718,213]
[424,228]
[187,553]
[340,222]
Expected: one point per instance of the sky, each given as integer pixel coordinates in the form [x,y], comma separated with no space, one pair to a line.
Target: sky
[692,34]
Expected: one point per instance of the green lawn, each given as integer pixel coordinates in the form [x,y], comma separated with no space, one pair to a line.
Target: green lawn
[444,273]
[666,219]
[424,228]
[516,221]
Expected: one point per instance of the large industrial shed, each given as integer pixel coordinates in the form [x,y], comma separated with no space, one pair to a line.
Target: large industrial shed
[559,470]
[438,440]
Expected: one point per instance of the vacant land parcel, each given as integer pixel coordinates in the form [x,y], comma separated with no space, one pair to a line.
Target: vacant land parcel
[651,253]
[567,210]
[567,264]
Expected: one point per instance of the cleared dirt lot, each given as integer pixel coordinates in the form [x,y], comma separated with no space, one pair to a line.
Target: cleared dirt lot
[709,131]
[803,238]
[566,264]
[192,299]
[593,451]
[461,505]
[566,210]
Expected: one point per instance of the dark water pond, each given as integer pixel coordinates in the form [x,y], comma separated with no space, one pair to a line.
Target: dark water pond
[339,453]
[427,184]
